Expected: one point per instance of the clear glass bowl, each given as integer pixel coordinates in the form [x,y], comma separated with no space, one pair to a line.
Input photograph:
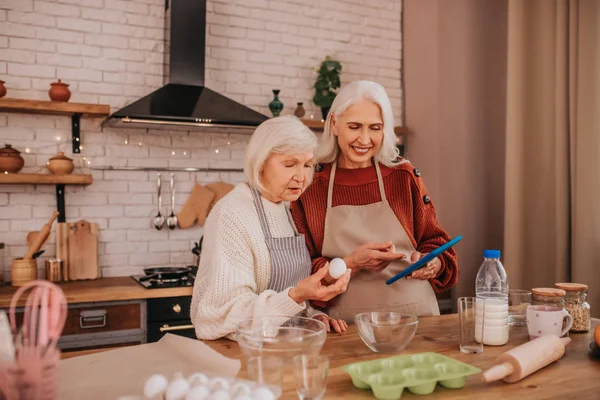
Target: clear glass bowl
[386,331]
[283,337]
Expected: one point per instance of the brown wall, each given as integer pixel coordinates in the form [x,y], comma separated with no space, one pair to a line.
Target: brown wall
[455,73]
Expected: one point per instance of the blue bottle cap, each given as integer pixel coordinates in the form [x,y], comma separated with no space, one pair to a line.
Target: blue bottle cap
[491,253]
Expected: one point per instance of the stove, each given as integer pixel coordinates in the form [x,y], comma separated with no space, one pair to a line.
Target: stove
[187,280]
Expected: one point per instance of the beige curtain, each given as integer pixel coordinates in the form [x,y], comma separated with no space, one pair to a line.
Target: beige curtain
[552,194]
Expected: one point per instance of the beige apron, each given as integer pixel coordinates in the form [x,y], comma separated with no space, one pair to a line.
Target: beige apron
[348,227]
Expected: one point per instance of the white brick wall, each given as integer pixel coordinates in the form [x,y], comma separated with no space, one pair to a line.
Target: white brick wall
[111,51]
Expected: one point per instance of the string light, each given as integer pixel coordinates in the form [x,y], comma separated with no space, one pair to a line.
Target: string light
[140,144]
[27,150]
[185,153]
[228,143]
[217,151]
[172,153]
[57,138]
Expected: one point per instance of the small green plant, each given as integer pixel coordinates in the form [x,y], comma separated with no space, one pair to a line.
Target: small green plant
[328,80]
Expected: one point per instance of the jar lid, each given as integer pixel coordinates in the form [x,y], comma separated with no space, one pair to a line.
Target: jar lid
[60,156]
[59,83]
[9,151]
[548,292]
[571,287]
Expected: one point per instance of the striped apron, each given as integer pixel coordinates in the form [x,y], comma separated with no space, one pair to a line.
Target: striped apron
[290,259]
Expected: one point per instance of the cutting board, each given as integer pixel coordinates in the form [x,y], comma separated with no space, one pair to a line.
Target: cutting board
[62,249]
[82,243]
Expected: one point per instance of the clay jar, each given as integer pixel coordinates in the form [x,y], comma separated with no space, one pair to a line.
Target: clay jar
[2,89]
[10,160]
[61,164]
[59,91]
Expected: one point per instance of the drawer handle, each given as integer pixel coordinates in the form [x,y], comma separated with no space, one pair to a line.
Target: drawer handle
[177,308]
[92,316]
[167,328]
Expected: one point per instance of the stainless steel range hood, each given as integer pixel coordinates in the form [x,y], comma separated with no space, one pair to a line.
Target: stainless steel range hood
[185,102]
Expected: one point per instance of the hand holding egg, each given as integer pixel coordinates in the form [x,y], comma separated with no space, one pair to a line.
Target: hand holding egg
[337,268]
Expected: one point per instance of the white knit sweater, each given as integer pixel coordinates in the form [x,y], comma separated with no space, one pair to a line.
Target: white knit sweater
[235,267]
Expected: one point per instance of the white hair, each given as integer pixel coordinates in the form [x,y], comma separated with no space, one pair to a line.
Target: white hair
[280,135]
[328,149]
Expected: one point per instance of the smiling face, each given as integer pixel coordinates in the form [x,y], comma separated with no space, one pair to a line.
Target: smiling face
[359,131]
[286,176]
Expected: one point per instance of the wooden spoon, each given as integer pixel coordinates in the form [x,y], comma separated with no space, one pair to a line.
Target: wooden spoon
[41,238]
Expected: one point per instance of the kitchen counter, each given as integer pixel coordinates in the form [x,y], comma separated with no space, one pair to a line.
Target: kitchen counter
[104,289]
[576,375]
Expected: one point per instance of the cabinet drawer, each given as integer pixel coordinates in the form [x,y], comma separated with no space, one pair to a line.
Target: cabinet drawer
[107,317]
[169,308]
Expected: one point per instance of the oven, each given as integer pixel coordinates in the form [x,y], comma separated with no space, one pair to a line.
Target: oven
[169,315]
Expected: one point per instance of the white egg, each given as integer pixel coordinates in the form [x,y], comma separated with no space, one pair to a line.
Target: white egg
[240,389]
[337,267]
[155,385]
[220,395]
[261,393]
[198,379]
[218,383]
[198,393]
[177,389]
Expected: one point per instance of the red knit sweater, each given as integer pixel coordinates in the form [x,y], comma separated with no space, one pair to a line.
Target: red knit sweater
[406,195]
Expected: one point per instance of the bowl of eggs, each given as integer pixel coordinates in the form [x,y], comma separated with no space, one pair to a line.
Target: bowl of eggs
[199,386]
[280,336]
[386,331]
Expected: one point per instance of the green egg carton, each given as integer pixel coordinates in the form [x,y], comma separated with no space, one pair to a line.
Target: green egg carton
[419,373]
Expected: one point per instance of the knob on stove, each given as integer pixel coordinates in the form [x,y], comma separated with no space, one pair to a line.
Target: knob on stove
[177,308]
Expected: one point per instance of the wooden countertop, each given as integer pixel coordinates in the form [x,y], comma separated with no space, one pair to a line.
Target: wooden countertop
[104,289]
[576,375]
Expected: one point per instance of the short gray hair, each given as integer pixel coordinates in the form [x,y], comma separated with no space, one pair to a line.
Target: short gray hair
[280,135]
[353,92]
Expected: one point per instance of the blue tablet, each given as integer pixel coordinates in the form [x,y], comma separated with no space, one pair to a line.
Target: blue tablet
[423,261]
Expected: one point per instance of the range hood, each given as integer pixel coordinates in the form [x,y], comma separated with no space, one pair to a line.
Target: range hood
[184,101]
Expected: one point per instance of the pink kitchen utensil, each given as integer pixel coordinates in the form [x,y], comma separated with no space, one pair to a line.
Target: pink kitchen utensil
[34,373]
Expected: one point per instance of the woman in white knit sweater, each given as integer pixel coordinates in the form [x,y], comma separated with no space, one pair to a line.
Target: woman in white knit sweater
[254,262]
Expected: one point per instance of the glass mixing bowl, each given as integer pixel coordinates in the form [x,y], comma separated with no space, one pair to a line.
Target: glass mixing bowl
[386,331]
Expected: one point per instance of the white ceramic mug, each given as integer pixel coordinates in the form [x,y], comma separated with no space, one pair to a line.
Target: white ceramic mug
[546,320]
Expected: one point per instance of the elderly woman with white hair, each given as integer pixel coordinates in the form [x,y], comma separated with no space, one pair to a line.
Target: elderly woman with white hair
[254,262]
[370,207]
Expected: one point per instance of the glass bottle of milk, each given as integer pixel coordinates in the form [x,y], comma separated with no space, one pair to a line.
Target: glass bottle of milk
[491,285]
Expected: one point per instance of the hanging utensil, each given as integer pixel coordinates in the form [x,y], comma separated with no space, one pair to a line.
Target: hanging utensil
[172,220]
[159,220]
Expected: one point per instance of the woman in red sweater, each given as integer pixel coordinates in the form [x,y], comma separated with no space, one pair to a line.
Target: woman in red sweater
[370,207]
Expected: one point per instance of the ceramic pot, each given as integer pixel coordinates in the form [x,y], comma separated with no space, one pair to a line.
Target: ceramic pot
[299,112]
[10,160]
[61,164]
[2,89]
[275,105]
[59,91]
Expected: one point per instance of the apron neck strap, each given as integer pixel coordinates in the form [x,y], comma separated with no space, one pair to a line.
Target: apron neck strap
[262,215]
[332,178]
[260,209]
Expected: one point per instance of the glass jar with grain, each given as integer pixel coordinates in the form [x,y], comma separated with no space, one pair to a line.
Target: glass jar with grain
[576,305]
[548,297]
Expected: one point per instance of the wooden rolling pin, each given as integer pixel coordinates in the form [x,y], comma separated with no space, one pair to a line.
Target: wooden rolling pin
[526,359]
[41,237]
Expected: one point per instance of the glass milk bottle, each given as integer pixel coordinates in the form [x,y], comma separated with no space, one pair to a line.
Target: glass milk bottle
[491,285]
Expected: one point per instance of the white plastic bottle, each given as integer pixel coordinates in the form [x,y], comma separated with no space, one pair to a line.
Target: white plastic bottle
[491,285]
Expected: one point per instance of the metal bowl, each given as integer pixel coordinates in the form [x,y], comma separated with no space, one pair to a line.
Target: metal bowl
[280,336]
[386,331]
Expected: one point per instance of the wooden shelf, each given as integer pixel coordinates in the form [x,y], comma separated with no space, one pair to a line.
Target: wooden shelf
[319,125]
[53,108]
[45,179]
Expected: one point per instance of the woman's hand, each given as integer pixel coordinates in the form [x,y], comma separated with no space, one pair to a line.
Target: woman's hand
[338,325]
[429,271]
[312,288]
[372,257]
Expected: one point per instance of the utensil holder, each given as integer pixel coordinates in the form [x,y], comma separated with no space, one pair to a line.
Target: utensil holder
[54,269]
[23,271]
[31,376]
